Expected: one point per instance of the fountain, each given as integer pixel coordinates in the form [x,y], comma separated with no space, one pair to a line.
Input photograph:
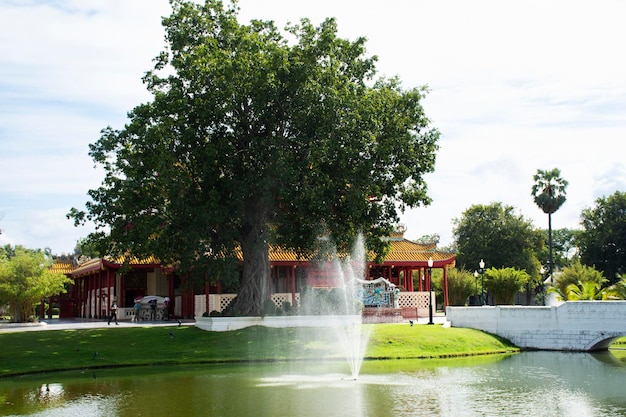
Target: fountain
[337,307]
[340,307]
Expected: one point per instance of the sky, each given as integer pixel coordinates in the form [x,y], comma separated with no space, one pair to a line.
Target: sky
[515,86]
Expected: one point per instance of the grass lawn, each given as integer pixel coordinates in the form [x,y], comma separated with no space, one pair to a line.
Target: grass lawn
[55,350]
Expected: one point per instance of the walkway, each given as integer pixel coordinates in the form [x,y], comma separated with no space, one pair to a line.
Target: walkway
[73,324]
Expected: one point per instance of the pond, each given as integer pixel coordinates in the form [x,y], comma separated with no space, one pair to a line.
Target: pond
[525,384]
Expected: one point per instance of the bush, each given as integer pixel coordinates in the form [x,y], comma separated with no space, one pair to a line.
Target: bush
[577,274]
[269,308]
[461,285]
[215,313]
[287,307]
[505,283]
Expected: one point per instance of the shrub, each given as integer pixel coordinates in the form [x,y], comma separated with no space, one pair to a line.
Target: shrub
[287,308]
[461,285]
[577,274]
[505,283]
[269,308]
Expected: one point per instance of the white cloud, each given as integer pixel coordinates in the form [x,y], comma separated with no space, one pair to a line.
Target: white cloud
[515,87]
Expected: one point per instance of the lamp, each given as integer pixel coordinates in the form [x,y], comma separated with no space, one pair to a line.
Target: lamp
[542,271]
[475,287]
[481,264]
[430,296]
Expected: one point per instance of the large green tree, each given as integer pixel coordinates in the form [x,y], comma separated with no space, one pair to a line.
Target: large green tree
[256,137]
[499,235]
[602,242]
[548,193]
[26,278]
[564,247]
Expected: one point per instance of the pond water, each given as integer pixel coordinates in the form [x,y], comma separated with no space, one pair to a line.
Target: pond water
[525,384]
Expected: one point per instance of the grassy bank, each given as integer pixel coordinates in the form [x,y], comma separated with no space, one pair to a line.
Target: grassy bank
[54,350]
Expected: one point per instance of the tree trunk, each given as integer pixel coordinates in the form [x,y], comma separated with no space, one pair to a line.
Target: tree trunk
[255,281]
[254,289]
[20,311]
[550,246]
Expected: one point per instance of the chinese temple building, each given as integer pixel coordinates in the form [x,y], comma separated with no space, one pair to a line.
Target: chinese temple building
[98,282]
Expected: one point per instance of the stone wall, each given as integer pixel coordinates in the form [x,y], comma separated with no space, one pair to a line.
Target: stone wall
[574,325]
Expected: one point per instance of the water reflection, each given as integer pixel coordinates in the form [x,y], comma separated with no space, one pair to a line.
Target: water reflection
[531,383]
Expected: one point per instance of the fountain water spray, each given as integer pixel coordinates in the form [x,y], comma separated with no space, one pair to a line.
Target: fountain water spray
[341,308]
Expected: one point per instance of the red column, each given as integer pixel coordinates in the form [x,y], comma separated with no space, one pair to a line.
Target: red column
[191,303]
[99,287]
[407,278]
[119,292]
[85,296]
[110,293]
[445,287]
[171,293]
[90,307]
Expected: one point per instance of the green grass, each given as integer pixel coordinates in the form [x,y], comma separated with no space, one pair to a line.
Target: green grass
[399,341]
[56,350]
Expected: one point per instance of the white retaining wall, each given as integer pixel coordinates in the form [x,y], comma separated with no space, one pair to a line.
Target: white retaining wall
[222,324]
[573,325]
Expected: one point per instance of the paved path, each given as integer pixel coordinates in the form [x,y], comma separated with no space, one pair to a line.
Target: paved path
[68,324]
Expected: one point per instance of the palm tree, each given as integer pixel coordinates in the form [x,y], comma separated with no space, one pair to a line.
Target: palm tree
[587,290]
[617,291]
[549,195]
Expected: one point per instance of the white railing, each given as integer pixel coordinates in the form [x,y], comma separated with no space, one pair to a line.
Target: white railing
[218,302]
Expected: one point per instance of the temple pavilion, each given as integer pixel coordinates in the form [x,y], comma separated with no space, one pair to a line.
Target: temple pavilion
[99,281]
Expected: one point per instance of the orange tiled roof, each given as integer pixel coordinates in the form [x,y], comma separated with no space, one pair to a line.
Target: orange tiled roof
[405,250]
[63,267]
[401,250]
[97,264]
[283,255]
[87,267]
[133,260]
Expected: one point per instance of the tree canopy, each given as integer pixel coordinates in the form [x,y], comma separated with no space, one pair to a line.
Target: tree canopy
[257,137]
[563,245]
[602,242]
[25,278]
[548,191]
[499,236]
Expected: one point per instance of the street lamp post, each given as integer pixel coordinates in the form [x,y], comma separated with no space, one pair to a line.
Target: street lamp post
[543,290]
[475,287]
[430,295]
[481,264]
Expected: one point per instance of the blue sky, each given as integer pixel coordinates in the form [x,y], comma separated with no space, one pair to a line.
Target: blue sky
[515,87]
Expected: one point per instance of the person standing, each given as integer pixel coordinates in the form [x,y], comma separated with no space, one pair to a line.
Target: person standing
[137,308]
[113,314]
[153,306]
[166,309]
